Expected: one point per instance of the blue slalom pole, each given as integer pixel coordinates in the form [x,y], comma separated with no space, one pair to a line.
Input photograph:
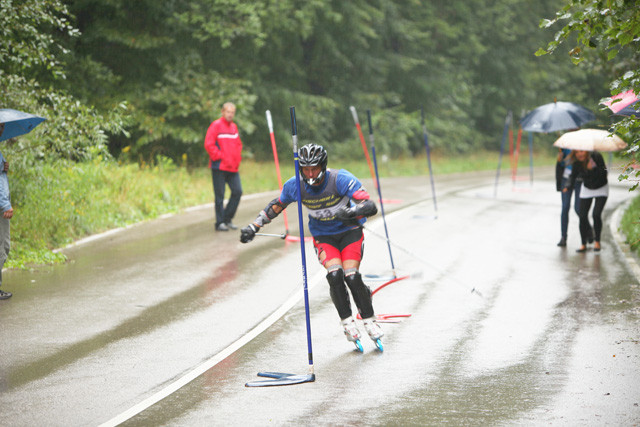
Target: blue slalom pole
[530,135]
[375,166]
[507,123]
[294,136]
[282,378]
[426,145]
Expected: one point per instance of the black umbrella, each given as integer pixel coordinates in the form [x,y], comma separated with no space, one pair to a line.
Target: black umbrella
[556,116]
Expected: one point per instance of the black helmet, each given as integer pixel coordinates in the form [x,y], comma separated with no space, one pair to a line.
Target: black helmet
[313,155]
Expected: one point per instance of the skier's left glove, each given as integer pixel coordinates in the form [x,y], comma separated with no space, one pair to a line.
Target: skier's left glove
[248,233]
[345,213]
[365,208]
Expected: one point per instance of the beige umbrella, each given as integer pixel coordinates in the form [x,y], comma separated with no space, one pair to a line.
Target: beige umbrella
[590,140]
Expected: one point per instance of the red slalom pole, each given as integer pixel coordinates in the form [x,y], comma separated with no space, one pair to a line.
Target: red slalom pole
[275,159]
[516,156]
[364,144]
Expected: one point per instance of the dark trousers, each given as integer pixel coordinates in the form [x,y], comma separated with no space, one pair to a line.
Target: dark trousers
[566,205]
[585,206]
[220,180]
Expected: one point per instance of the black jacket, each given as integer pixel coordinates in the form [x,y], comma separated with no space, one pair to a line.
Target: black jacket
[594,178]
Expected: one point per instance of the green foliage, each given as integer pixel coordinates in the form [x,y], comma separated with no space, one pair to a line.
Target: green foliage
[607,38]
[31,65]
[175,63]
[58,202]
[27,41]
[630,225]
[72,130]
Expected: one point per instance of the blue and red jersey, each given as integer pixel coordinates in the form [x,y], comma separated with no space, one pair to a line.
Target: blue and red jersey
[337,190]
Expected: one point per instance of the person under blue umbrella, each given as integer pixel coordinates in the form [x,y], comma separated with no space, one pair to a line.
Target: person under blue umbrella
[7,214]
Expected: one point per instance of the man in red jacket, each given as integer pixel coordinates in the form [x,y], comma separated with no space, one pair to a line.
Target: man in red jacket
[225,147]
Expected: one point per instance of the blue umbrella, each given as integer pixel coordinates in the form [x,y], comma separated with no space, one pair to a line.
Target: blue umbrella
[556,116]
[17,123]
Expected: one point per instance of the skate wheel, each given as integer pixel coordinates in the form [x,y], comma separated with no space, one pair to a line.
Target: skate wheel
[359,346]
[379,345]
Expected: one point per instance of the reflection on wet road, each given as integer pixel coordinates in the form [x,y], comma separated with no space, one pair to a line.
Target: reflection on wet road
[551,337]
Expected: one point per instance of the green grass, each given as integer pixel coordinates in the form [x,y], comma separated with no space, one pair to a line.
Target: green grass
[630,225]
[56,204]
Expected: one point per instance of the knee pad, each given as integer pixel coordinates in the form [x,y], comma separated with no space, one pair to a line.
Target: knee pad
[360,292]
[338,292]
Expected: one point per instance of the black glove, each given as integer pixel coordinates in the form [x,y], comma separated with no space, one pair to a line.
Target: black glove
[365,208]
[248,233]
[345,213]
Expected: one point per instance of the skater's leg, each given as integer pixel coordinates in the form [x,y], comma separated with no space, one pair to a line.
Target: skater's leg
[360,292]
[338,291]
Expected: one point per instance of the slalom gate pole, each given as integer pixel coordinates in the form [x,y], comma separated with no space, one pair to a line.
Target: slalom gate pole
[516,155]
[507,123]
[281,378]
[426,145]
[511,152]
[354,114]
[422,261]
[275,159]
[375,163]
[294,136]
[530,138]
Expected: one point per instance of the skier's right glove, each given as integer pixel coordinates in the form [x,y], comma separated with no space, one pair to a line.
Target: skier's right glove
[248,233]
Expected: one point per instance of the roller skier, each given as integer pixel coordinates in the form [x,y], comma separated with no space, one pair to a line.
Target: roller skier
[338,205]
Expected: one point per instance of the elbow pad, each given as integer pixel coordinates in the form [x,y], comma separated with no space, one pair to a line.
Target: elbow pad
[267,214]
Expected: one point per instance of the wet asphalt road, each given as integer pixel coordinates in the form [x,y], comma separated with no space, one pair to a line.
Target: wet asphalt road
[173,313]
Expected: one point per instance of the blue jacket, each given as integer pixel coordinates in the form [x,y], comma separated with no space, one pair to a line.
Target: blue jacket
[5,197]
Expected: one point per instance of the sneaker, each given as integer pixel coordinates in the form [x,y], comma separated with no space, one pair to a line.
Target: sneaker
[231,225]
[350,329]
[222,227]
[5,295]
[373,329]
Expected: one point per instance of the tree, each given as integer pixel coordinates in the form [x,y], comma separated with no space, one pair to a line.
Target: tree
[605,34]
[32,69]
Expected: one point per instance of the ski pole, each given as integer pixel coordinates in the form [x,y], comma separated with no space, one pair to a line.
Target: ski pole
[282,236]
[275,158]
[354,114]
[426,144]
[375,164]
[294,137]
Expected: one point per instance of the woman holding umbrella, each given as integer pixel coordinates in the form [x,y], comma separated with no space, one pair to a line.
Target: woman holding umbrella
[563,172]
[589,166]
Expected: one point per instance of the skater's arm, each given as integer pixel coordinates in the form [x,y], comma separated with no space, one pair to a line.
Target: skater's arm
[271,211]
[265,216]
[364,207]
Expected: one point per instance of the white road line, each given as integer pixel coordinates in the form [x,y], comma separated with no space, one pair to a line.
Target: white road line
[219,357]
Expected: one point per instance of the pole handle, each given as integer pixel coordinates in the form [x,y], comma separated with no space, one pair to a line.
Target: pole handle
[369,120]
